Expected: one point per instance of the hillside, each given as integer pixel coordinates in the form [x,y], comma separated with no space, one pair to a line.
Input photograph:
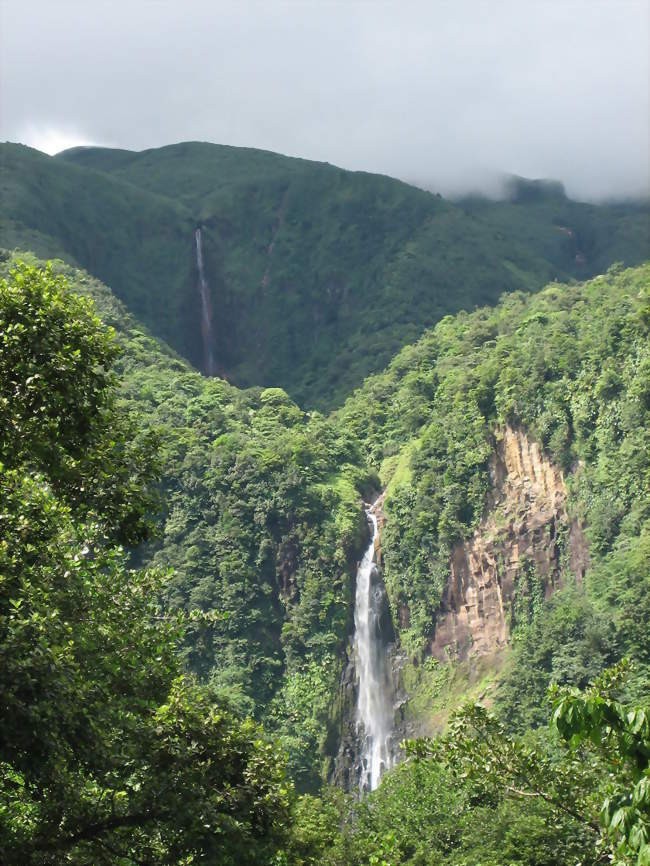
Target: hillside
[260,521]
[317,276]
[262,512]
[135,241]
[511,444]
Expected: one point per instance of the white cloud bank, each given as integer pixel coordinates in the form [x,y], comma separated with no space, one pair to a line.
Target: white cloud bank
[445,94]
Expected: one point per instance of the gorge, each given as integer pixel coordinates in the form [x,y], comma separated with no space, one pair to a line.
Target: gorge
[511,445]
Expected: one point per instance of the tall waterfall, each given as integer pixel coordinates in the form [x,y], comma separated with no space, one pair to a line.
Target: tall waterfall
[375,703]
[209,366]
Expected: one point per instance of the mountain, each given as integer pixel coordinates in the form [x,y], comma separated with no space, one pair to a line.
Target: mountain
[515,434]
[509,446]
[483,390]
[512,445]
[315,276]
[260,522]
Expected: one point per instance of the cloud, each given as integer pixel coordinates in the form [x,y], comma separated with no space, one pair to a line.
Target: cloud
[51,140]
[445,94]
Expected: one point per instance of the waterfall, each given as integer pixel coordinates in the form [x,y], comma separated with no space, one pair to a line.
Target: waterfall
[375,694]
[209,366]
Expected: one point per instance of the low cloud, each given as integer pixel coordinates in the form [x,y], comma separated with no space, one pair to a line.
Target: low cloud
[447,95]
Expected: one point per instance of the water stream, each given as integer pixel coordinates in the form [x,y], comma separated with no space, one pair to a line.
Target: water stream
[209,366]
[375,713]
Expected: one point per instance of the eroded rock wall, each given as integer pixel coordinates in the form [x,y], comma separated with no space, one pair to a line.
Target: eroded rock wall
[525,530]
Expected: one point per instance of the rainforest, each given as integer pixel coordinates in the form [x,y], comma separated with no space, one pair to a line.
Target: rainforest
[325,516]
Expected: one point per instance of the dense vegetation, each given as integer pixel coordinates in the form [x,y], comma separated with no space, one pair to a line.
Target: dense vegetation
[578,792]
[260,521]
[109,752]
[125,687]
[570,365]
[318,276]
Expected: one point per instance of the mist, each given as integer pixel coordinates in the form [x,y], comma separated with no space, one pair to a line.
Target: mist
[450,96]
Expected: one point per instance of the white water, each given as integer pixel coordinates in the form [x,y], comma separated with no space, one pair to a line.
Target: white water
[375,705]
[206,309]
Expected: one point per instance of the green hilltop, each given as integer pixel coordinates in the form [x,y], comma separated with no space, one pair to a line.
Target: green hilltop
[317,275]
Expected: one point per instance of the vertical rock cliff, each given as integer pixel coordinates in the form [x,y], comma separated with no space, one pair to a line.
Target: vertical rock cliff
[515,559]
[525,536]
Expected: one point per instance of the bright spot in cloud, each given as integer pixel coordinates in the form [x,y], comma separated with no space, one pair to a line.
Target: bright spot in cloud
[53,141]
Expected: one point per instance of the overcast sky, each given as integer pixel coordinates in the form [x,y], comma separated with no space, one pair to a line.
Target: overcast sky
[445,94]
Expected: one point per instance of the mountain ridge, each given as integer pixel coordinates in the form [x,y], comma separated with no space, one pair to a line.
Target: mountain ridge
[303,260]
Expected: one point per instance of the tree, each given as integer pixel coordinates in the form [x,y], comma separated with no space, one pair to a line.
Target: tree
[58,410]
[109,752]
[495,768]
[596,790]
[621,736]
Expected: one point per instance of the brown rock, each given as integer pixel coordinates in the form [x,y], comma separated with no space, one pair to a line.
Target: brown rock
[530,493]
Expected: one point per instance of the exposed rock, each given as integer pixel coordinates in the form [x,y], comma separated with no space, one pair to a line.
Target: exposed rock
[286,567]
[378,508]
[525,529]
[525,535]
[346,763]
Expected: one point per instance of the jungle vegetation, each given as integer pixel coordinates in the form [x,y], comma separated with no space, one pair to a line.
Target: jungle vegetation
[177,580]
[317,276]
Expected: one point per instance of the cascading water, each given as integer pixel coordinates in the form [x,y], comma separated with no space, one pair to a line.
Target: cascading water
[209,365]
[375,714]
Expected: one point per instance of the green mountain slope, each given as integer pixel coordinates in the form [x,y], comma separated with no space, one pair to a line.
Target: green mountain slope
[260,522]
[262,515]
[569,365]
[318,276]
[136,241]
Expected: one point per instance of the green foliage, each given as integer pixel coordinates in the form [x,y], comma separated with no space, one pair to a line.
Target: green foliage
[477,748]
[109,753]
[299,713]
[567,642]
[261,522]
[318,276]
[479,795]
[318,833]
[434,812]
[262,518]
[570,366]
[621,735]
[57,411]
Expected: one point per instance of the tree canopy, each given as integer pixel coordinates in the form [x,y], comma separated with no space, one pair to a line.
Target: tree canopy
[109,752]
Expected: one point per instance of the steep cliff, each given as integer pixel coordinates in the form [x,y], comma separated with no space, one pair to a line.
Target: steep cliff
[512,563]
[516,555]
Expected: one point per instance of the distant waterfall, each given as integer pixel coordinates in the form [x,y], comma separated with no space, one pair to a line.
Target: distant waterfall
[375,702]
[209,366]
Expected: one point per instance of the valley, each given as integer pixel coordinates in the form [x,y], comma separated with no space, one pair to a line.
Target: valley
[302,259]
[292,341]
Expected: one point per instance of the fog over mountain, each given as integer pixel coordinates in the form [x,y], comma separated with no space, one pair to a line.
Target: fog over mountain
[447,95]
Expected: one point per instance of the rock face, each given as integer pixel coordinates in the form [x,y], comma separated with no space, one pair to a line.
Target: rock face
[524,538]
[515,559]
